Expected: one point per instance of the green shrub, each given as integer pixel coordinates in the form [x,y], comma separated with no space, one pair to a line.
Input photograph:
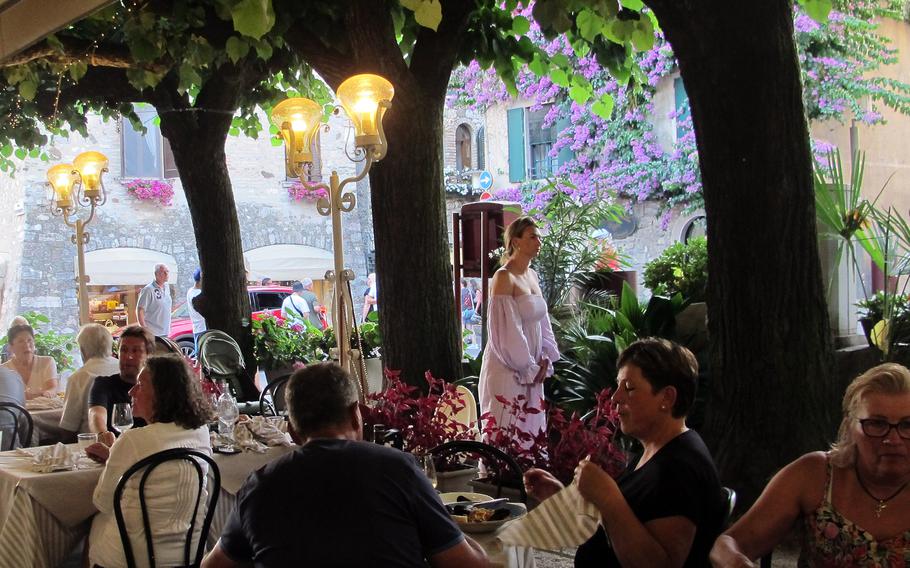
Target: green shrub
[59,346]
[680,269]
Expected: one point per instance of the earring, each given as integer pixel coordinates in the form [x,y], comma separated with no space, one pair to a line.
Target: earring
[663,406]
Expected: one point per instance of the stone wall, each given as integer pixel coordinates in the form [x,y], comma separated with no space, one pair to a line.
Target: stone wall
[451,120]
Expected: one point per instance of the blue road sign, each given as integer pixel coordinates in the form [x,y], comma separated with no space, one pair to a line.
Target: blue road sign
[485,180]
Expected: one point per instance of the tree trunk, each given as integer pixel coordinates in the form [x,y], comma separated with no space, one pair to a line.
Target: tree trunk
[224,301]
[416,302]
[771,350]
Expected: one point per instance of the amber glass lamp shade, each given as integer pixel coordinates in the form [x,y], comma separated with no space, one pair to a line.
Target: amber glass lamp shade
[62,179]
[298,121]
[360,97]
[90,166]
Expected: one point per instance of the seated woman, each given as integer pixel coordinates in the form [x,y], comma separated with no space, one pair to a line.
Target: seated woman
[38,372]
[168,397]
[668,507]
[852,500]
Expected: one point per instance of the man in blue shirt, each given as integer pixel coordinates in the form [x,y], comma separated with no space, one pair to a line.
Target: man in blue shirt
[336,500]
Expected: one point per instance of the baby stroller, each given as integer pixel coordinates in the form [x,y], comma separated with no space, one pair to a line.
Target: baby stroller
[220,358]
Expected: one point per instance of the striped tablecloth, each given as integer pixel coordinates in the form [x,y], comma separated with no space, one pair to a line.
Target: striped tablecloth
[44,515]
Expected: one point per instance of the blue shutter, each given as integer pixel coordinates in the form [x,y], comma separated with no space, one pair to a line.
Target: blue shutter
[566,154]
[516,124]
[682,101]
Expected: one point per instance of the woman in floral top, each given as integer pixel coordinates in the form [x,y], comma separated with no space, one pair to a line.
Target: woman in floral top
[853,500]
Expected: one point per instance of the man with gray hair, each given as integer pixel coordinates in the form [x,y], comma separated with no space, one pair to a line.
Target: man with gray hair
[347,502]
[153,310]
[312,301]
[95,344]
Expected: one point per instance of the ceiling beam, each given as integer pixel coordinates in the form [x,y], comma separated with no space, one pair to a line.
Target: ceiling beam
[26,22]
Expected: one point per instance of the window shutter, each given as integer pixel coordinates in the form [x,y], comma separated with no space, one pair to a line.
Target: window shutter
[682,101]
[170,166]
[566,154]
[481,149]
[516,124]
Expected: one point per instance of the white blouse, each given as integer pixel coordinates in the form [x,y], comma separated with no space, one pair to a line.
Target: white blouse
[44,369]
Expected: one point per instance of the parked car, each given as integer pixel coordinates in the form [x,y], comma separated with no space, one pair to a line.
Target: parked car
[263,299]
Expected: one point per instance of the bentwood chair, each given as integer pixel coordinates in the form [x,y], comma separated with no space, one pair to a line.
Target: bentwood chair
[145,467]
[730,500]
[271,399]
[494,460]
[21,427]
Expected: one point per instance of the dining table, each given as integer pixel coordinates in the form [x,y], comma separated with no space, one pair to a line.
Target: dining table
[44,516]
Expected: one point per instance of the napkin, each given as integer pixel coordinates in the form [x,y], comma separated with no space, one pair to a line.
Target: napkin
[44,403]
[268,430]
[244,439]
[53,458]
[562,521]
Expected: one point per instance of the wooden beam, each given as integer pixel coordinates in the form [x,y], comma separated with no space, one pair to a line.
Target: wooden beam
[26,22]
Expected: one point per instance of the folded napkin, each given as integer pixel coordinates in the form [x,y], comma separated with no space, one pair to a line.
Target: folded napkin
[268,430]
[53,458]
[562,521]
[44,403]
[245,440]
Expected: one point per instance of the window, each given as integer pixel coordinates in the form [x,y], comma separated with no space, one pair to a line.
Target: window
[462,148]
[268,300]
[481,149]
[682,106]
[146,155]
[530,144]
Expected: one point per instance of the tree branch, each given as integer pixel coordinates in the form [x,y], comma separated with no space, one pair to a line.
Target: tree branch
[434,52]
[75,51]
[105,85]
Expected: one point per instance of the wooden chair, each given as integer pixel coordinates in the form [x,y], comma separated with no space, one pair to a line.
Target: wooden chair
[19,415]
[146,466]
[494,460]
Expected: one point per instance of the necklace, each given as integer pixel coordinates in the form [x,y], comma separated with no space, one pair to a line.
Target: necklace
[882,503]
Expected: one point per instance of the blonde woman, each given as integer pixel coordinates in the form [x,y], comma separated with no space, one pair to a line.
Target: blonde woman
[852,500]
[521,346]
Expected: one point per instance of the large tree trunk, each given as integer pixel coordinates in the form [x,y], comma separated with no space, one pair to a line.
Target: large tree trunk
[198,147]
[771,350]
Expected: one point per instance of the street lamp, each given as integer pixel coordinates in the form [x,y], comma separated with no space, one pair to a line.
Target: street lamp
[79,185]
[365,98]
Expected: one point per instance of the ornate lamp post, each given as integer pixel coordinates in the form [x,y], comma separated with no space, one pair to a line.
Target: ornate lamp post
[78,185]
[365,98]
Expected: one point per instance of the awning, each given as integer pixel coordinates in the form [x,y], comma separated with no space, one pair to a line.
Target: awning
[25,22]
[289,262]
[124,266]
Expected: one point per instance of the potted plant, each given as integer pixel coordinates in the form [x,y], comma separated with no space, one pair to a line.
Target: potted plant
[371,345]
[424,421]
[59,346]
[279,344]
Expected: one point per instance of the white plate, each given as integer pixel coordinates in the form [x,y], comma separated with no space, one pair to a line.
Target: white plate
[515,509]
[448,498]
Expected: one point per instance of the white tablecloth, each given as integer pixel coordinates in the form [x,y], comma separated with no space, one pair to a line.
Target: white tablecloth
[44,515]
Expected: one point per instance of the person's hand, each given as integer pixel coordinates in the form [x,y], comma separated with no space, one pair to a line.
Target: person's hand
[542,373]
[594,484]
[98,451]
[106,438]
[726,554]
[541,484]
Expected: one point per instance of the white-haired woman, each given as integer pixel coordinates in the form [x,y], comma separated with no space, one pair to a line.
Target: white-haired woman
[852,500]
[95,344]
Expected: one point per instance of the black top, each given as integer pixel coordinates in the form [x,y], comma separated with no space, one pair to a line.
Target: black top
[108,391]
[679,480]
[338,503]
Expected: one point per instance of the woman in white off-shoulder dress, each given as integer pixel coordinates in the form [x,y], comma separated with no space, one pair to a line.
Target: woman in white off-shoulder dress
[521,348]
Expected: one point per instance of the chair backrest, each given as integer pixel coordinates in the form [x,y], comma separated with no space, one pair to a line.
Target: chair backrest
[468,414]
[492,456]
[730,500]
[272,400]
[146,466]
[19,431]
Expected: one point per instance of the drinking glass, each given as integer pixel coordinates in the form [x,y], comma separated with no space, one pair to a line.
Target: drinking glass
[86,439]
[228,413]
[122,418]
[425,461]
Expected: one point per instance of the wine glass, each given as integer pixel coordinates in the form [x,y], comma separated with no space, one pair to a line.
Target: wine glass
[228,413]
[425,462]
[122,418]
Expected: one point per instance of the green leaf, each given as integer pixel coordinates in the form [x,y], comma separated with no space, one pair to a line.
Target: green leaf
[6,151]
[28,89]
[643,35]
[579,94]
[34,153]
[636,5]
[560,60]
[236,48]
[234,131]
[253,18]
[538,65]
[21,153]
[603,107]
[818,10]
[143,49]
[427,13]
[559,77]
[264,50]
[77,70]
[55,43]
[589,24]
[277,142]
[520,26]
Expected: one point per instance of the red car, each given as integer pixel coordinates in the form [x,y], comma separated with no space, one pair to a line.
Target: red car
[263,299]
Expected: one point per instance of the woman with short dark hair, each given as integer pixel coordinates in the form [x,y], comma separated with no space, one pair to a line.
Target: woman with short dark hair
[168,397]
[667,508]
